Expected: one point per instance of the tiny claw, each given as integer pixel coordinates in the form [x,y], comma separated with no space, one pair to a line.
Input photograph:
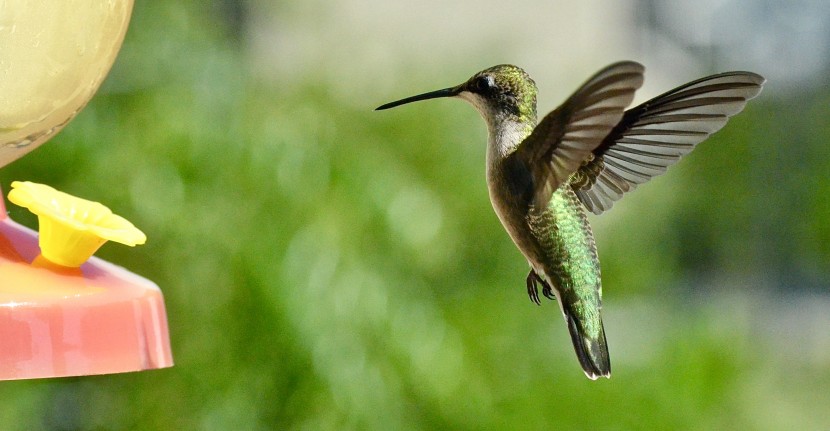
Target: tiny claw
[532,289]
[547,291]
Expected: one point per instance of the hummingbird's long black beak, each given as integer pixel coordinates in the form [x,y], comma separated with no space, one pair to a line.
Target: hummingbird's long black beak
[447,92]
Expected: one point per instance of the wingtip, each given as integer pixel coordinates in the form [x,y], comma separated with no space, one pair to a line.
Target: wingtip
[753,77]
[632,66]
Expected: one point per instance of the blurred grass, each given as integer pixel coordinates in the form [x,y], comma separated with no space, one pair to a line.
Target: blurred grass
[329,267]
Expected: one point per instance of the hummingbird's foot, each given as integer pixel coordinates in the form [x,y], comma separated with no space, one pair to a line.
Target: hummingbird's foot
[533,281]
[532,288]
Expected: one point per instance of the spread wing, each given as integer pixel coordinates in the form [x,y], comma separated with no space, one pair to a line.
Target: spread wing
[655,135]
[567,136]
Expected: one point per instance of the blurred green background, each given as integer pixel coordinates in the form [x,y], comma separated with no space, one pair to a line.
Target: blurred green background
[329,267]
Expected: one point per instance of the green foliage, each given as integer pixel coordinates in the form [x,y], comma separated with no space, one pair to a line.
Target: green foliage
[328,267]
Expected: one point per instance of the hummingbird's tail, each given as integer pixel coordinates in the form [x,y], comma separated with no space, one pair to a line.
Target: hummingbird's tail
[591,351]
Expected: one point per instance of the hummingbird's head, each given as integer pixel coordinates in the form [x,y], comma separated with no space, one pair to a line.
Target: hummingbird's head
[503,92]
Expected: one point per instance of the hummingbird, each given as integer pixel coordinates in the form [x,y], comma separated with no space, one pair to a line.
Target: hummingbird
[583,156]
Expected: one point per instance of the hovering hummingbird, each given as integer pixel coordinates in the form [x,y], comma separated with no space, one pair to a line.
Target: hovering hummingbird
[584,155]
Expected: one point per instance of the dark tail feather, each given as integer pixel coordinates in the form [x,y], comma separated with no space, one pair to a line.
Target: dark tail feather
[592,352]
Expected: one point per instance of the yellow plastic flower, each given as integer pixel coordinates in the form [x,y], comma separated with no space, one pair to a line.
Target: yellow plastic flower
[71,228]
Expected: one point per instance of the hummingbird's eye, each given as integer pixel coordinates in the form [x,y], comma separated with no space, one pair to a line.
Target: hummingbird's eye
[484,84]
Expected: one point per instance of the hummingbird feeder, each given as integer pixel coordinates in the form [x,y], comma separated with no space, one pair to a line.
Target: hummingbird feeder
[64,312]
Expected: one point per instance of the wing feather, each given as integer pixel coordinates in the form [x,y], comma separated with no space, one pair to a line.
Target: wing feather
[565,139]
[656,134]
